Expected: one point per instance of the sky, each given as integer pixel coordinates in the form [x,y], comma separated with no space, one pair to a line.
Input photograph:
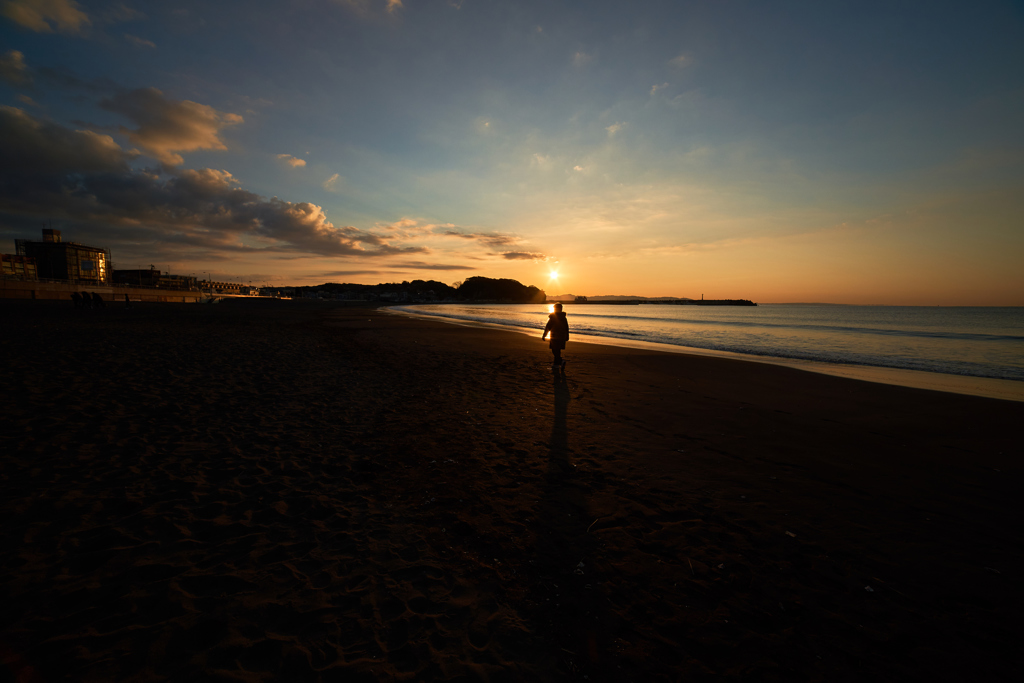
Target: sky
[844,152]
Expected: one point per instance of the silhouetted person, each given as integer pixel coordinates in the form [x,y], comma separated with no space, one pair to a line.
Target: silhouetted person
[76,299]
[558,326]
[127,302]
[97,301]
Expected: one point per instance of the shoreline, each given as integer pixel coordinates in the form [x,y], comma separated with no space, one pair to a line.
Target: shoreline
[986,387]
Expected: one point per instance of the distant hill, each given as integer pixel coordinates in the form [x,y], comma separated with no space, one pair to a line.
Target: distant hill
[503,290]
[480,289]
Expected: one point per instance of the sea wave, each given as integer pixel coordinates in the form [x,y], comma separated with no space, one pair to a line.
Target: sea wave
[917,342]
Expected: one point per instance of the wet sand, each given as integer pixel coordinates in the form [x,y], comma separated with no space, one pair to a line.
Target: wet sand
[263,490]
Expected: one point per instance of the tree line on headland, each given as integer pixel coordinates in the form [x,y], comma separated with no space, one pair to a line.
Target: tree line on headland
[479,289]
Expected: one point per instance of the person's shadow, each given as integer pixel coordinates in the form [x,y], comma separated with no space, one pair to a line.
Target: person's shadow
[559,442]
[567,551]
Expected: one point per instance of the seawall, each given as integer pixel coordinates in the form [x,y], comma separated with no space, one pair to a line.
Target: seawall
[34,289]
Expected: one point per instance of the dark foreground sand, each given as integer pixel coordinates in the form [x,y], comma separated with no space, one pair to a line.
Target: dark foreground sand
[281,491]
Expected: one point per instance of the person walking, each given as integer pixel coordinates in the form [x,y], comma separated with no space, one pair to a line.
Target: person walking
[558,327]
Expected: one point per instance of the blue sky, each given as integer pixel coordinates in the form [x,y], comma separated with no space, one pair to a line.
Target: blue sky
[848,152]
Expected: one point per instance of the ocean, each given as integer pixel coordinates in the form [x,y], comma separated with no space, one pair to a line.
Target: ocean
[982,342]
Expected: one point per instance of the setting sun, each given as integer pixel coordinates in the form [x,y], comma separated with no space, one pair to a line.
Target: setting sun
[553,275]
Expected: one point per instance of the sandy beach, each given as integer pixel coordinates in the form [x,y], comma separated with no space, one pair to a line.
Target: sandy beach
[283,490]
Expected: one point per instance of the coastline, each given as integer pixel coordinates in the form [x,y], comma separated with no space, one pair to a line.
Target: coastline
[987,387]
[264,489]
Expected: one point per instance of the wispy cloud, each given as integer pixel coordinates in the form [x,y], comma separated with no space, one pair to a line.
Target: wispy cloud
[490,239]
[615,128]
[420,265]
[294,162]
[346,273]
[523,256]
[139,42]
[365,7]
[167,127]
[121,13]
[333,184]
[680,61]
[581,58]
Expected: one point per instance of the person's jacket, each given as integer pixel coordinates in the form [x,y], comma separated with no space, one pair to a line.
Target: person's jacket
[558,326]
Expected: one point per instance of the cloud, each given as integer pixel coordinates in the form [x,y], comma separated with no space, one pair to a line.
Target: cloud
[582,58]
[345,273]
[420,265]
[122,13]
[45,16]
[332,184]
[13,68]
[33,149]
[680,61]
[294,162]
[364,7]
[139,42]
[577,167]
[83,178]
[25,99]
[656,88]
[166,126]
[491,239]
[614,128]
[524,256]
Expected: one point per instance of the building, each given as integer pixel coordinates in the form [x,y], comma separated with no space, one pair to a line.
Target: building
[151,277]
[18,267]
[71,261]
[222,287]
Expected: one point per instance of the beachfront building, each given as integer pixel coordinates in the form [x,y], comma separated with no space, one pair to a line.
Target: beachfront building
[58,260]
[222,287]
[18,267]
[151,277]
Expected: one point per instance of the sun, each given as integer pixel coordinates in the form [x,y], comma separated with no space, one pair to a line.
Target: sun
[553,275]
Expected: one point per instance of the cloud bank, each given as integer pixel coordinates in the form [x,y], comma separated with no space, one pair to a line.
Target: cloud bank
[85,178]
[46,16]
[166,127]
